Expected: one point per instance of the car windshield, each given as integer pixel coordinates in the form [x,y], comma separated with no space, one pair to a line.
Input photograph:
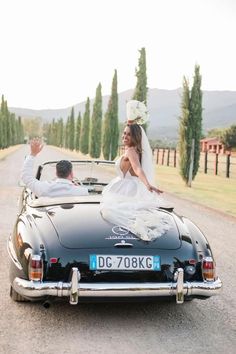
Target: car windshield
[88,172]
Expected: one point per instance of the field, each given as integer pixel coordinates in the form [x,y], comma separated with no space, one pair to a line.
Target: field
[213,191]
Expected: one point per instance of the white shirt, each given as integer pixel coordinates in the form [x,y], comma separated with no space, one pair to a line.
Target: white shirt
[59,188]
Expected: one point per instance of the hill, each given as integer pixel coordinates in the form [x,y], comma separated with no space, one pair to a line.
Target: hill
[219,110]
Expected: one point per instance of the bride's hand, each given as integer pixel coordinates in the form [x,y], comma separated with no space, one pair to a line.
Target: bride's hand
[154,189]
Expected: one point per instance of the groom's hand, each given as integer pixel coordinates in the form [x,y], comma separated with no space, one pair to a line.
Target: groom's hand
[36,146]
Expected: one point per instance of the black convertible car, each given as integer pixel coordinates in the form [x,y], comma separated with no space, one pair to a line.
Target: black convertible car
[63,248]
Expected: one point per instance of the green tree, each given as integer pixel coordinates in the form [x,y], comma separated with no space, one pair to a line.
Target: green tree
[1,130]
[215,132]
[96,125]
[111,124]
[228,138]
[4,123]
[20,131]
[185,132]
[60,132]
[54,132]
[78,132]
[33,126]
[13,129]
[196,117]
[84,139]
[140,92]
[71,142]
[67,133]
[141,89]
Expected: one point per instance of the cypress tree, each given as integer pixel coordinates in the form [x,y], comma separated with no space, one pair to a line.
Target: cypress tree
[71,142]
[4,123]
[2,105]
[13,128]
[196,117]
[111,124]
[53,131]
[67,133]
[78,132]
[20,131]
[96,125]
[8,125]
[140,92]
[60,132]
[56,133]
[185,132]
[1,130]
[84,140]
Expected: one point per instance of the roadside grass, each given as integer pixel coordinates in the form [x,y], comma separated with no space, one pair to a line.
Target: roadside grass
[213,191]
[8,151]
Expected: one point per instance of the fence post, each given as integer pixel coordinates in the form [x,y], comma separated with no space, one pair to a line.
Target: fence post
[205,163]
[168,157]
[175,158]
[216,164]
[227,165]
[157,156]
[163,156]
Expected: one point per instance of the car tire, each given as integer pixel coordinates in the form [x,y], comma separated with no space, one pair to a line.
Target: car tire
[17,297]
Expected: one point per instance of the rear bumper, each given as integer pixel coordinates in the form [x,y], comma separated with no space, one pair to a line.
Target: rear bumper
[75,289]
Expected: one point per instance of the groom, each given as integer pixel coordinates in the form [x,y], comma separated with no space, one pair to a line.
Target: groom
[62,186]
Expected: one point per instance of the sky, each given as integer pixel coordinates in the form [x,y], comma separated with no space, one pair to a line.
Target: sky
[54,53]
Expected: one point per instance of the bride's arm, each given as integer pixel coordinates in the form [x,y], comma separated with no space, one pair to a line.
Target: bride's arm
[137,168]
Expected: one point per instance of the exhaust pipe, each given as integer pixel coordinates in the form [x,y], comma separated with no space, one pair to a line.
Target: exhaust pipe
[47,304]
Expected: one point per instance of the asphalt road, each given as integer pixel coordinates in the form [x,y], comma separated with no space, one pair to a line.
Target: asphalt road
[164,327]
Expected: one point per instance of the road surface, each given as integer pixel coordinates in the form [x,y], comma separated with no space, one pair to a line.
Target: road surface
[194,327]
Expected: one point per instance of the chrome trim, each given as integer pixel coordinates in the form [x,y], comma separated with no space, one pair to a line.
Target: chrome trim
[13,255]
[180,286]
[75,289]
[123,244]
[74,294]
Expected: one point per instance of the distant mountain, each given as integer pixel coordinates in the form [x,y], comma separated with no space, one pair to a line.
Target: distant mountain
[164,110]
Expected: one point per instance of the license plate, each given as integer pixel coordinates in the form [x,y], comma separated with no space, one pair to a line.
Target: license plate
[107,262]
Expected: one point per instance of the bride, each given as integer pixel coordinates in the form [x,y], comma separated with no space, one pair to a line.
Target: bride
[131,200]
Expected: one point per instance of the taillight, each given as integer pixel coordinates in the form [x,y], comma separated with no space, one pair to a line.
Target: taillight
[208,269]
[35,268]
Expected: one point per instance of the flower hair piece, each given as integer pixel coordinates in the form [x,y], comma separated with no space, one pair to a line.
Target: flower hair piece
[136,112]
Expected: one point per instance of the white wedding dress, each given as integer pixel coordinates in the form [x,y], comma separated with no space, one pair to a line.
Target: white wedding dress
[126,202]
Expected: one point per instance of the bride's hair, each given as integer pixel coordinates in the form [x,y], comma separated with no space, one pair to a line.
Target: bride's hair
[136,137]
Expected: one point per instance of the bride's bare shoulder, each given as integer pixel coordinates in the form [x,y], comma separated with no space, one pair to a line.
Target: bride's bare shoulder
[131,151]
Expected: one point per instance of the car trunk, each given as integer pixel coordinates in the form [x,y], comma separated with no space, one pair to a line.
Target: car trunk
[81,226]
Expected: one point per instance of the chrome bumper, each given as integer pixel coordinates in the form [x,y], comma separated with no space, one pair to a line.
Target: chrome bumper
[75,289]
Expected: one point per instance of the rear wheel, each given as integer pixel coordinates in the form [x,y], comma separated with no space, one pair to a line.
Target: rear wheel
[17,297]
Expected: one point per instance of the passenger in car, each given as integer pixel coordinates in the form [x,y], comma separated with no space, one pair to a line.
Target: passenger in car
[131,199]
[62,186]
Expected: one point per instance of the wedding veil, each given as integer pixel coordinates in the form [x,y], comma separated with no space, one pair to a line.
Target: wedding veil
[146,161]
